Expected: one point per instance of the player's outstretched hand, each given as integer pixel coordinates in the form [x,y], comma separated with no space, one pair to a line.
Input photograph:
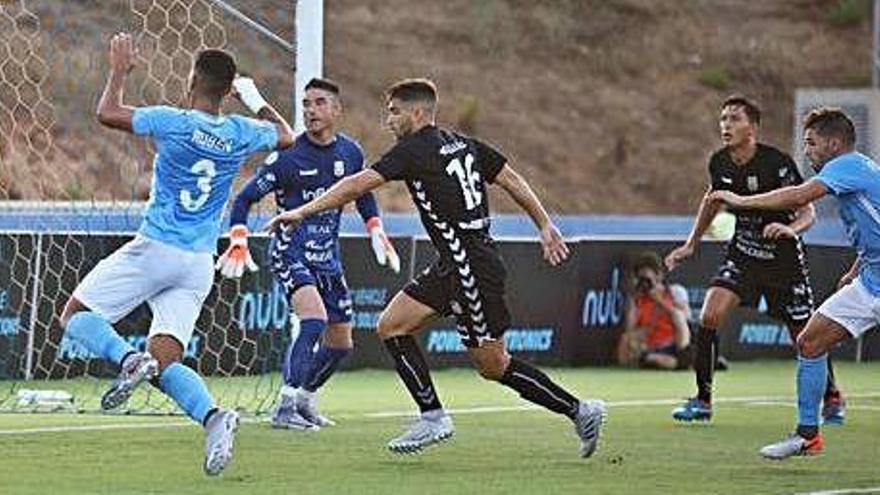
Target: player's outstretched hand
[122,53]
[678,255]
[382,247]
[286,221]
[237,257]
[555,250]
[779,231]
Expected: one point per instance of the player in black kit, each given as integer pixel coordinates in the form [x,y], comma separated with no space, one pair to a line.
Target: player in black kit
[764,257]
[446,174]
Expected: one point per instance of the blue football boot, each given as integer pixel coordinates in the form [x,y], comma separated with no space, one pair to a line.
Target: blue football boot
[693,410]
[834,409]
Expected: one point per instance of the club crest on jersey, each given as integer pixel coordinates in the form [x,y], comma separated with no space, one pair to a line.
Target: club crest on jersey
[339,168]
[752,183]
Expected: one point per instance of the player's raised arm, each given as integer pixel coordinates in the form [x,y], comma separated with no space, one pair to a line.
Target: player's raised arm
[555,250]
[246,91]
[342,193]
[111,112]
[778,199]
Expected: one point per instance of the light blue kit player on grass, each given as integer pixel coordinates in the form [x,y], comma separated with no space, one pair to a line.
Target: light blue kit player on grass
[306,262]
[854,179]
[169,263]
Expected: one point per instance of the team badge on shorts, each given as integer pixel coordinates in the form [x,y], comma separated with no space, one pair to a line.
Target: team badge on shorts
[339,168]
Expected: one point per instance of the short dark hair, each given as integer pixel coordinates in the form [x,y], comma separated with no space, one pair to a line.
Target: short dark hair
[215,69]
[752,110]
[831,122]
[325,84]
[648,259]
[419,90]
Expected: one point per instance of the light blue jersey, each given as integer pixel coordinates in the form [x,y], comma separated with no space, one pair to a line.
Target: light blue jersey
[198,156]
[855,180]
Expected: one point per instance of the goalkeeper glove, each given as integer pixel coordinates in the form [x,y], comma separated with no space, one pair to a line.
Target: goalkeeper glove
[248,93]
[382,247]
[236,257]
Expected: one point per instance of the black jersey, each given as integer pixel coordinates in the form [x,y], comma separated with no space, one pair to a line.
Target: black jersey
[446,174]
[769,169]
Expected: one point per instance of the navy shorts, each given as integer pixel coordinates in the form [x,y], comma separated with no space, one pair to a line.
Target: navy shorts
[292,275]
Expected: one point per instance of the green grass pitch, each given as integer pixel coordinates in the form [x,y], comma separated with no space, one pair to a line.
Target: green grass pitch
[499,447]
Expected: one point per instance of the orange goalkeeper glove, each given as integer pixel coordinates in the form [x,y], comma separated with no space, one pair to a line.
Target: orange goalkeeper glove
[237,257]
[382,247]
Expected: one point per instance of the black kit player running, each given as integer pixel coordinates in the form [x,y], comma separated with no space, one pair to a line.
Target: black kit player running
[765,257]
[446,174]
[755,265]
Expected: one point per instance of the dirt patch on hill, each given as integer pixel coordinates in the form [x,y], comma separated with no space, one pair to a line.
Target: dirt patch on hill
[605,106]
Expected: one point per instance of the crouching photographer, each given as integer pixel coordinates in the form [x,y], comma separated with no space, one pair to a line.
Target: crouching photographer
[656,333]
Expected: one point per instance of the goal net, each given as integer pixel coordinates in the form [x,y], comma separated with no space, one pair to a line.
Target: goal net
[71,192]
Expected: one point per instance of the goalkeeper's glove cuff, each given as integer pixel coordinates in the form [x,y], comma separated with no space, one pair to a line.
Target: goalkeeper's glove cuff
[238,232]
[374,223]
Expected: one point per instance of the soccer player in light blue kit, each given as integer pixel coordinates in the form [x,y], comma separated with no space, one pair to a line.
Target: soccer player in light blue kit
[169,264]
[829,143]
[306,262]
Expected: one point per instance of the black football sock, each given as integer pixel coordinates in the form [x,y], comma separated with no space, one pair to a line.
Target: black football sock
[808,432]
[534,386]
[704,361]
[413,370]
[831,389]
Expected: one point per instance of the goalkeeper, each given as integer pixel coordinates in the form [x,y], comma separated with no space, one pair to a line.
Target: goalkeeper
[306,261]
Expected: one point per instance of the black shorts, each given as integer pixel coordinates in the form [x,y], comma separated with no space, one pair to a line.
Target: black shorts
[669,350]
[784,282]
[473,293]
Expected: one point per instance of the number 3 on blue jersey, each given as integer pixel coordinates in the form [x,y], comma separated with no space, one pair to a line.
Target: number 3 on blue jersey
[205,170]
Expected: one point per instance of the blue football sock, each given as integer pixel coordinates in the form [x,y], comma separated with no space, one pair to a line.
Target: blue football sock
[300,352]
[188,389]
[812,375]
[326,362]
[95,333]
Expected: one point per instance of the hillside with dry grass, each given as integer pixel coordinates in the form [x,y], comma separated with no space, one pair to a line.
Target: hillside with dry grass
[607,106]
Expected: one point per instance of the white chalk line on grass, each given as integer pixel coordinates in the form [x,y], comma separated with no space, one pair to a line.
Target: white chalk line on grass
[757,400]
[622,403]
[849,407]
[74,428]
[842,491]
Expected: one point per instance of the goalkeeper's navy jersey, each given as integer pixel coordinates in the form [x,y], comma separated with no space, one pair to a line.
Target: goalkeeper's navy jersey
[769,169]
[446,173]
[296,176]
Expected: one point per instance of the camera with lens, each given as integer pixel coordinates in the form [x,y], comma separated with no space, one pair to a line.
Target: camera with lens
[644,284]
